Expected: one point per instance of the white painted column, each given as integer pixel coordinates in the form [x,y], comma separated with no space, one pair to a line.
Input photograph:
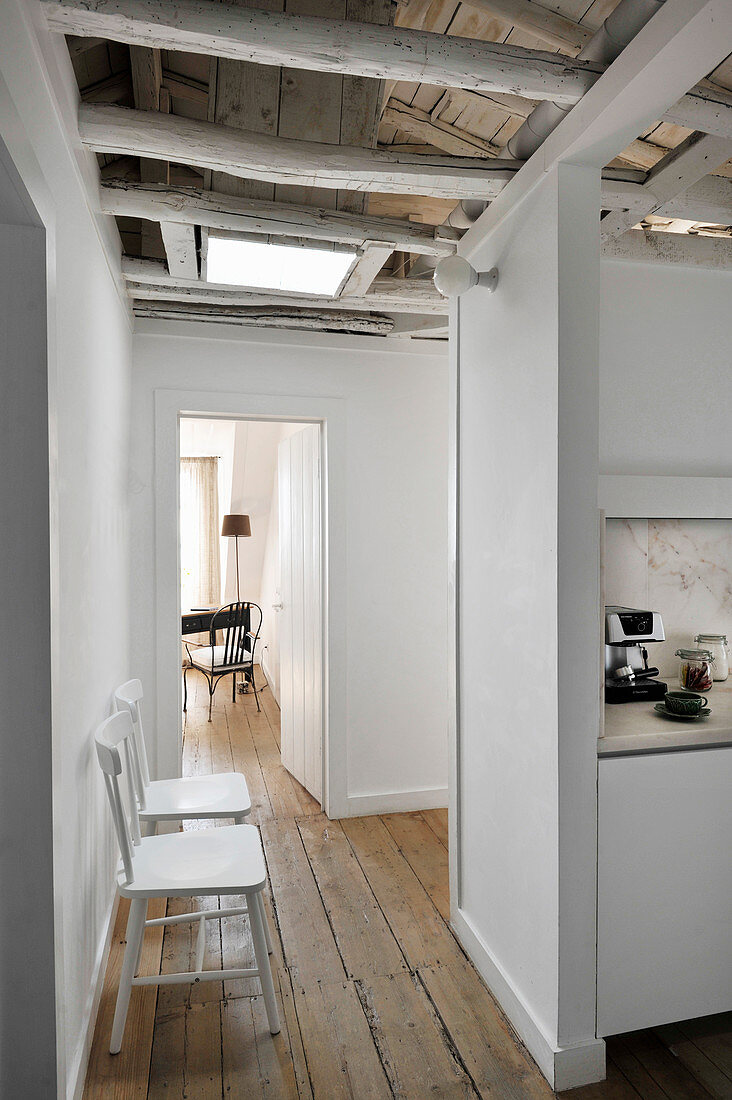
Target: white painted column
[528,620]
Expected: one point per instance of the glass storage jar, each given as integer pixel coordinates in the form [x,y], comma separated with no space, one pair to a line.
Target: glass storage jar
[717,646]
[695,669]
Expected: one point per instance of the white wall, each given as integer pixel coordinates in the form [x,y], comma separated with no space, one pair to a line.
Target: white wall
[528,623]
[394,470]
[665,383]
[89,378]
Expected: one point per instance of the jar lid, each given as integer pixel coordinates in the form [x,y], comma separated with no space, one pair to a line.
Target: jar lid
[711,638]
[694,654]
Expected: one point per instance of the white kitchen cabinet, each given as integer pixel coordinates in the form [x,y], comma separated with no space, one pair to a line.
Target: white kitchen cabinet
[664,888]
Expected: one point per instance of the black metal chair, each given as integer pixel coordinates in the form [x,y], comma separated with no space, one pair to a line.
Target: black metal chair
[237,622]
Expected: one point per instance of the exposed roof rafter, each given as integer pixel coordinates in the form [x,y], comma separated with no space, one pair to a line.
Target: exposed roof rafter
[243,215]
[251,155]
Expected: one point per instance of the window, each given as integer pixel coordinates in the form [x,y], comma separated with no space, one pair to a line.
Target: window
[277,266]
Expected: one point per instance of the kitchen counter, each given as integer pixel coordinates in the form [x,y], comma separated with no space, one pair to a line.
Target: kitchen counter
[636,728]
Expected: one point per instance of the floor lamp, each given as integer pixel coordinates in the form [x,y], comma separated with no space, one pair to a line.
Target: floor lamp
[237,527]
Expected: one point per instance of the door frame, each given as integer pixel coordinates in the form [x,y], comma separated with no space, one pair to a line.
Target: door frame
[330,414]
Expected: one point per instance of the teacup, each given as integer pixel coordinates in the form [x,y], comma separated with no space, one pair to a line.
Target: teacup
[683,702]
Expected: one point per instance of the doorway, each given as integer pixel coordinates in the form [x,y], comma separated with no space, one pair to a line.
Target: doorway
[251,535]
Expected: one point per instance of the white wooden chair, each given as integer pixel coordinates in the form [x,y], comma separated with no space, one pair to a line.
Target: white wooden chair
[223,794]
[227,860]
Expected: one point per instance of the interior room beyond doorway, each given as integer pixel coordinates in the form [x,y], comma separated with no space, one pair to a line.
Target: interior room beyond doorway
[250,538]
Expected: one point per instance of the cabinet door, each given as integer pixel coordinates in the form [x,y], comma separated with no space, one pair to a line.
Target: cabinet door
[664,888]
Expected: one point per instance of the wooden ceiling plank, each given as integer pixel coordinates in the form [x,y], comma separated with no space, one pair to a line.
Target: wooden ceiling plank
[682,167]
[232,213]
[419,124]
[245,96]
[78,46]
[548,26]
[283,160]
[310,103]
[147,77]
[111,90]
[362,98]
[185,87]
[369,264]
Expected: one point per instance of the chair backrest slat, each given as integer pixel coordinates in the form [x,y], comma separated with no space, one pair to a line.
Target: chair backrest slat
[115,731]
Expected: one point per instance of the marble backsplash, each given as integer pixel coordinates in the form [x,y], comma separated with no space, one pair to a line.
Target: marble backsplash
[680,567]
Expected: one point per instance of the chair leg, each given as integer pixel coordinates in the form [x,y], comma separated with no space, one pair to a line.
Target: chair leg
[135,930]
[233,688]
[265,922]
[263,966]
[185,689]
[254,685]
[211,689]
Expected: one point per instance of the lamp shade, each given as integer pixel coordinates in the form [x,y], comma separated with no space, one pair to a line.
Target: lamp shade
[236,526]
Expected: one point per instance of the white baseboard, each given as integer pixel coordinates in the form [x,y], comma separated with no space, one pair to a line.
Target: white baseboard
[77,1073]
[394,802]
[567,1067]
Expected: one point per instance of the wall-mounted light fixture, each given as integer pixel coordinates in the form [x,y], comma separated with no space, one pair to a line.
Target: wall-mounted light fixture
[454,275]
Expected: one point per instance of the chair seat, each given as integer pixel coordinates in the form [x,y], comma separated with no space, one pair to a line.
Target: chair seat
[224,794]
[201,658]
[202,862]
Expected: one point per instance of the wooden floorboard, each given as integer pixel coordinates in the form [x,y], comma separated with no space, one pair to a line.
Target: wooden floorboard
[376,997]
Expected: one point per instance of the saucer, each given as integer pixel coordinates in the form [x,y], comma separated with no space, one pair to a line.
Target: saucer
[662,709]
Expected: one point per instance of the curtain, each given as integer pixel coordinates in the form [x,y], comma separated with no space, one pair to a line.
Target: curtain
[200,533]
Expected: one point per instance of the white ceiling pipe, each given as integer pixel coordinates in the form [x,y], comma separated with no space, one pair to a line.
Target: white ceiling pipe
[465,214]
[620,28]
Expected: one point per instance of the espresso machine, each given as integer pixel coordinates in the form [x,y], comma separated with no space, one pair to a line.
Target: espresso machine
[628,677]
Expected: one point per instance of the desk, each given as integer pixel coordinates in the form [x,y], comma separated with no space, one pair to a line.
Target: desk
[197,622]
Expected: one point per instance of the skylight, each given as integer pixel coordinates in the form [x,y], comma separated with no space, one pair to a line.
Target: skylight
[277,266]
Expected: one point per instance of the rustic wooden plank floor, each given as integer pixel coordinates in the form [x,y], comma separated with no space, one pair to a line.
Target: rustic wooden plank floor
[376,998]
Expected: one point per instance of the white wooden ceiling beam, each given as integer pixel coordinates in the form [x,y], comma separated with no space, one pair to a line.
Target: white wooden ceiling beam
[683,41]
[673,249]
[377,299]
[243,215]
[442,135]
[180,249]
[361,49]
[149,279]
[709,200]
[367,267]
[285,160]
[327,45]
[695,158]
[364,324]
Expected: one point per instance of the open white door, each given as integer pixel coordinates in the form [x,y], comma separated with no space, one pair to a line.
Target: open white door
[300,627]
